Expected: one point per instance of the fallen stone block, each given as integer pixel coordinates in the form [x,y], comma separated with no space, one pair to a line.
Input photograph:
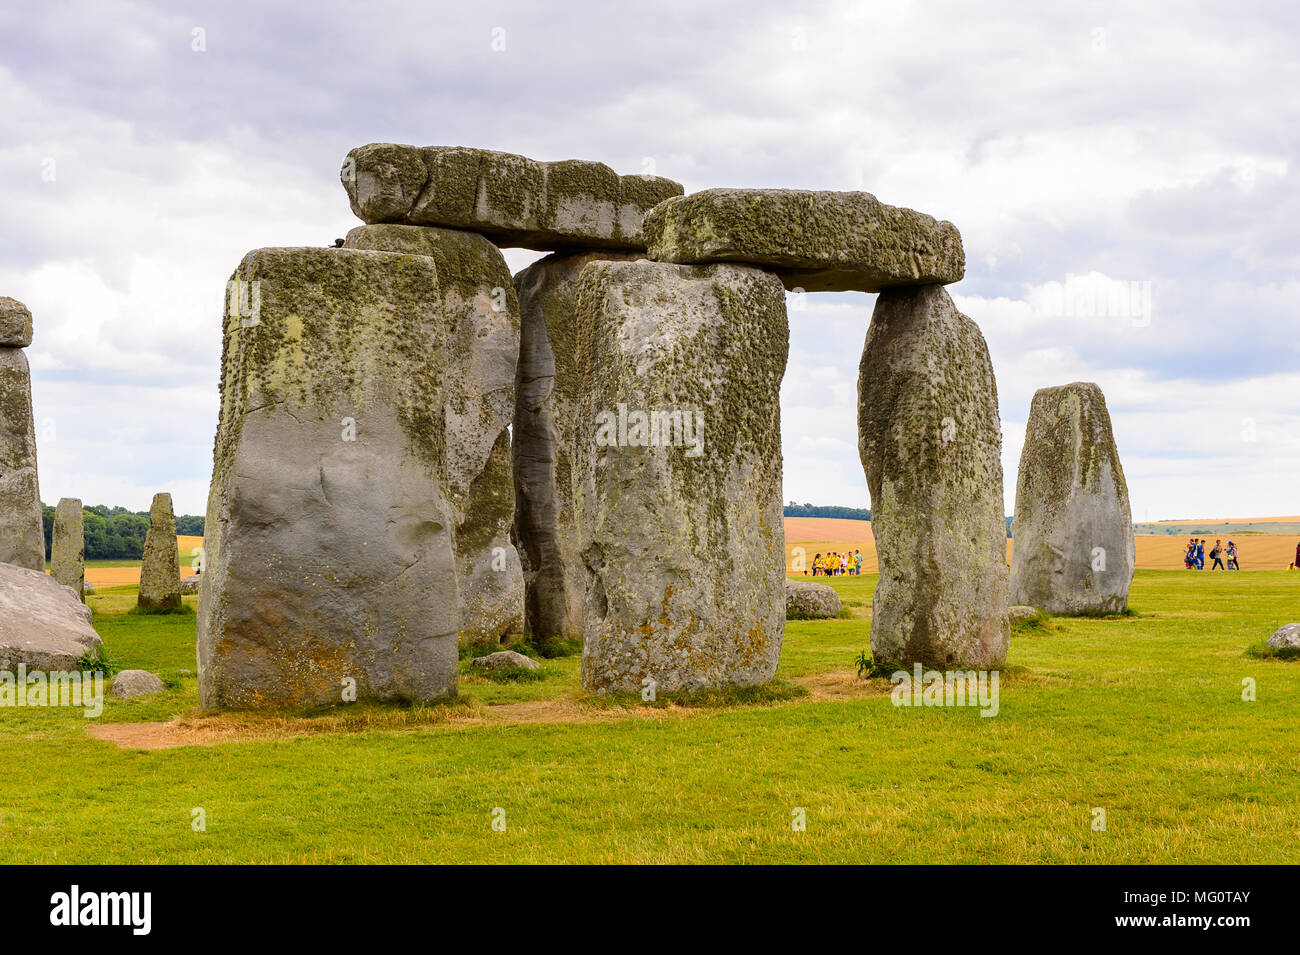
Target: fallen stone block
[42,623]
[1287,636]
[1021,614]
[805,600]
[128,684]
[504,660]
[814,241]
[513,200]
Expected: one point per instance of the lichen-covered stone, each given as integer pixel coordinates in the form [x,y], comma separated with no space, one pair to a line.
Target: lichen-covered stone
[129,684]
[815,241]
[329,562]
[679,519]
[1286,637]
[504,660]
[22,537]
[15,324]
[930,441]
[1073,550]
[807,600]
[160,576]
[514,200]
[1021,613]
[68,546]
[548,384]
[477,296]
[42,624]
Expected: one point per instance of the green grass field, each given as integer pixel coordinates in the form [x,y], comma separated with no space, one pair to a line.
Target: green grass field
[1141,716]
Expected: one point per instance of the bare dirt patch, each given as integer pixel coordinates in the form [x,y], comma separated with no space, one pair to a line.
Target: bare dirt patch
[841,685]
[219,729]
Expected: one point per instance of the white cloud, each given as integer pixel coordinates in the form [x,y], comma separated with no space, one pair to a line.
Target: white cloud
[1120,143]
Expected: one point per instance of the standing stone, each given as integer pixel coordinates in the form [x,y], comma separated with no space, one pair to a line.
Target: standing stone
[68,546]
[548,386]
[930,441]
[330,567]
[22,535]
[677,449]
[15,324]
[1073,548]
[514,200]
[478,299]
[160,576]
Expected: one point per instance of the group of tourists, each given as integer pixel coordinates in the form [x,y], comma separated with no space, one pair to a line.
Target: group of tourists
[836,564]
[1222,558]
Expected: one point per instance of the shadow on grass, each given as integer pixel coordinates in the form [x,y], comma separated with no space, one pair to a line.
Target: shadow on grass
[1262,651]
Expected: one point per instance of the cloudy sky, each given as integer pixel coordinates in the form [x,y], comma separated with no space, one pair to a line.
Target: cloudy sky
[1142,158]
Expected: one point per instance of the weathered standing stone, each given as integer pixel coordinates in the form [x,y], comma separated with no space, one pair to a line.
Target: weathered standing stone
[677,449]
[806,600]
[1073,546]
[160,576]
[930,441]
[328,552]
[42,624]
[68,546]
[15,324]
[816,241]
[548,384]
[22,537]
[513,200]
[477,297]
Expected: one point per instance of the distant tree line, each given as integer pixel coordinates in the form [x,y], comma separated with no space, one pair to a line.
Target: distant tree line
[834,510]
[114,533]
[827,510]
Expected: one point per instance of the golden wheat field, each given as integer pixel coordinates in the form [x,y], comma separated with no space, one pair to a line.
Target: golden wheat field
[805,537]
[186,547]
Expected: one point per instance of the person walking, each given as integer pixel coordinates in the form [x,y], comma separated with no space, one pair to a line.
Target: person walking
[857,563]
[1232,556]
[1216,556]
[1200,554]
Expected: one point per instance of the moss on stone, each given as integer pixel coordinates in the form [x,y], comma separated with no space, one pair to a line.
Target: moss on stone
[512,199]
[818,241]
